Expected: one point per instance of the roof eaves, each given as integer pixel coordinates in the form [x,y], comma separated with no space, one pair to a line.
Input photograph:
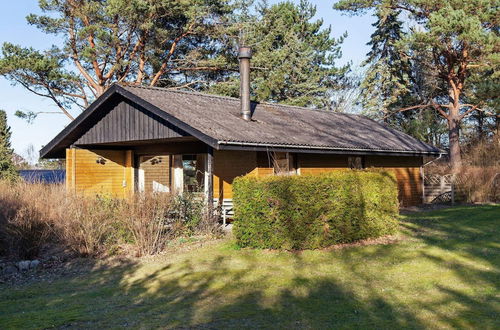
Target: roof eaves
[84,115]
[329,148]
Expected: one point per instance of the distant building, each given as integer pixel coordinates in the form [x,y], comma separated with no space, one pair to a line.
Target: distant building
[19,161]
[43,176]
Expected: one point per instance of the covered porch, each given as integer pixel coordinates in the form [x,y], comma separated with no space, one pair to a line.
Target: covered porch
[174,165]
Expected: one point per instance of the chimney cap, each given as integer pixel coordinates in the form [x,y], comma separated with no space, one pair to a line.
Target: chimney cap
[245,52]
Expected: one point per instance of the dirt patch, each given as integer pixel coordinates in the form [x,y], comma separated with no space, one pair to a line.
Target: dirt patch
[423,208]
[56,263]
[384,240]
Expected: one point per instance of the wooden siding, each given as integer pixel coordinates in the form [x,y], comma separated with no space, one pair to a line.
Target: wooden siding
[156,169]
[316,163]
[116,175]
[408,176]
[406,170]
[113,176]
[227,166]
[126,121]
[230,164]
[70,175]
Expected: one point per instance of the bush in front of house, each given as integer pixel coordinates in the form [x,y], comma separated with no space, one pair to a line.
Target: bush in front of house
[35,216]
[314,211]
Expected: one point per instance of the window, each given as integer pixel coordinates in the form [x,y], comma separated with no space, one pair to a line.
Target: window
[193,170]
[283,163]
[356,162]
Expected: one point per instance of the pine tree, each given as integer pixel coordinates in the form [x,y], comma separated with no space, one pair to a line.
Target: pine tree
[394,81]
[294,56]
[7,168]
[153,42]
[387,78]
[459,39]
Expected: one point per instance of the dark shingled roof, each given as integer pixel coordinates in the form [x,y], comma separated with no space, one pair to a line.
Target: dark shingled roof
[217,119]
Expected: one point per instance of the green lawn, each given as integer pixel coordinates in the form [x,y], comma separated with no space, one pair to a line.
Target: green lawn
[444,274]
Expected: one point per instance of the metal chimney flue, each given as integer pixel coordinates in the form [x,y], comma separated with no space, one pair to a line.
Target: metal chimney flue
[244,55]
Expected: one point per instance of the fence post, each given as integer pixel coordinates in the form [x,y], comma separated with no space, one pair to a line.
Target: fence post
[441,184]
[453,189]
[422,174]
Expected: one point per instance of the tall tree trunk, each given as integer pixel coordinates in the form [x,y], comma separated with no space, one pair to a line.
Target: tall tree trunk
[497,129]
[454,139]
[480,125]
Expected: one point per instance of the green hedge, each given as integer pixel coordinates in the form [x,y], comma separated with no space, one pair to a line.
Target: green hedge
[314,211]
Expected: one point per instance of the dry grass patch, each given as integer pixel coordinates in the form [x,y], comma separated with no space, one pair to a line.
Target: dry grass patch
[35,215]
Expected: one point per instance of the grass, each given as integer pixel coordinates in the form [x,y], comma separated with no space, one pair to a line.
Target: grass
[444,274]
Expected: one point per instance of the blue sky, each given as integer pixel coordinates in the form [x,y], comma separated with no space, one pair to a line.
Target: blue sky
[14,29]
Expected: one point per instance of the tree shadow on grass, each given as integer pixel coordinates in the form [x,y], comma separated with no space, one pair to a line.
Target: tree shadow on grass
[461,241]
[224,297]
[256,289]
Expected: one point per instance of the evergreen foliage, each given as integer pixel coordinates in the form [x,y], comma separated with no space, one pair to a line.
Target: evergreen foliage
[454,41]
[314,211]
[7,168]
[388,76]
[179,44]
[294,56]
[154,42]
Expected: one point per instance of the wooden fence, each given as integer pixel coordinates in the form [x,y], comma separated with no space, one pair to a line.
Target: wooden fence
[438,189]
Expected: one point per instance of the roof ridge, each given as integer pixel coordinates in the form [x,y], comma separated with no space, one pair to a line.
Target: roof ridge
[168,90]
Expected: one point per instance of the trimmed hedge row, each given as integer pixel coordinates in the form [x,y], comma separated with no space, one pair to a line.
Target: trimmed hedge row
[314,211]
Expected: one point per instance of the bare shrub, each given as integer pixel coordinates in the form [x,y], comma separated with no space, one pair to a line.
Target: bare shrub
[479,184]
[155,219]
[479,178]
[87,224]
[32,215]
[23,226]
[146,216]
[482,154]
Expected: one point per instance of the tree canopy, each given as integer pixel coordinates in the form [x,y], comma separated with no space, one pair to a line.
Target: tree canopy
[294,56]
[176,44]
[454,41]
[153,42]
[7,168]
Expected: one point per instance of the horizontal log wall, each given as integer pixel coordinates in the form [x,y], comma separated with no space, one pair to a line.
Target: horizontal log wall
[156,169]
[315,164]
[227,166]
[106,172]
[407,171]
[116,176]
[230,164]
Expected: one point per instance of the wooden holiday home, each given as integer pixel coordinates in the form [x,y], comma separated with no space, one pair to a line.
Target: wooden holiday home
[146,139]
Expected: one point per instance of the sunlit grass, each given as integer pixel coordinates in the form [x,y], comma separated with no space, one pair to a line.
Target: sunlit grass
[443,274]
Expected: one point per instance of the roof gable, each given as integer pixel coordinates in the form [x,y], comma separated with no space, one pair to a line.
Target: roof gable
[124,120]
[94,126]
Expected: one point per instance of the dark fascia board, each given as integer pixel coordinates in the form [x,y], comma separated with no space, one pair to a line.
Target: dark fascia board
[114,90]
[245,147]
